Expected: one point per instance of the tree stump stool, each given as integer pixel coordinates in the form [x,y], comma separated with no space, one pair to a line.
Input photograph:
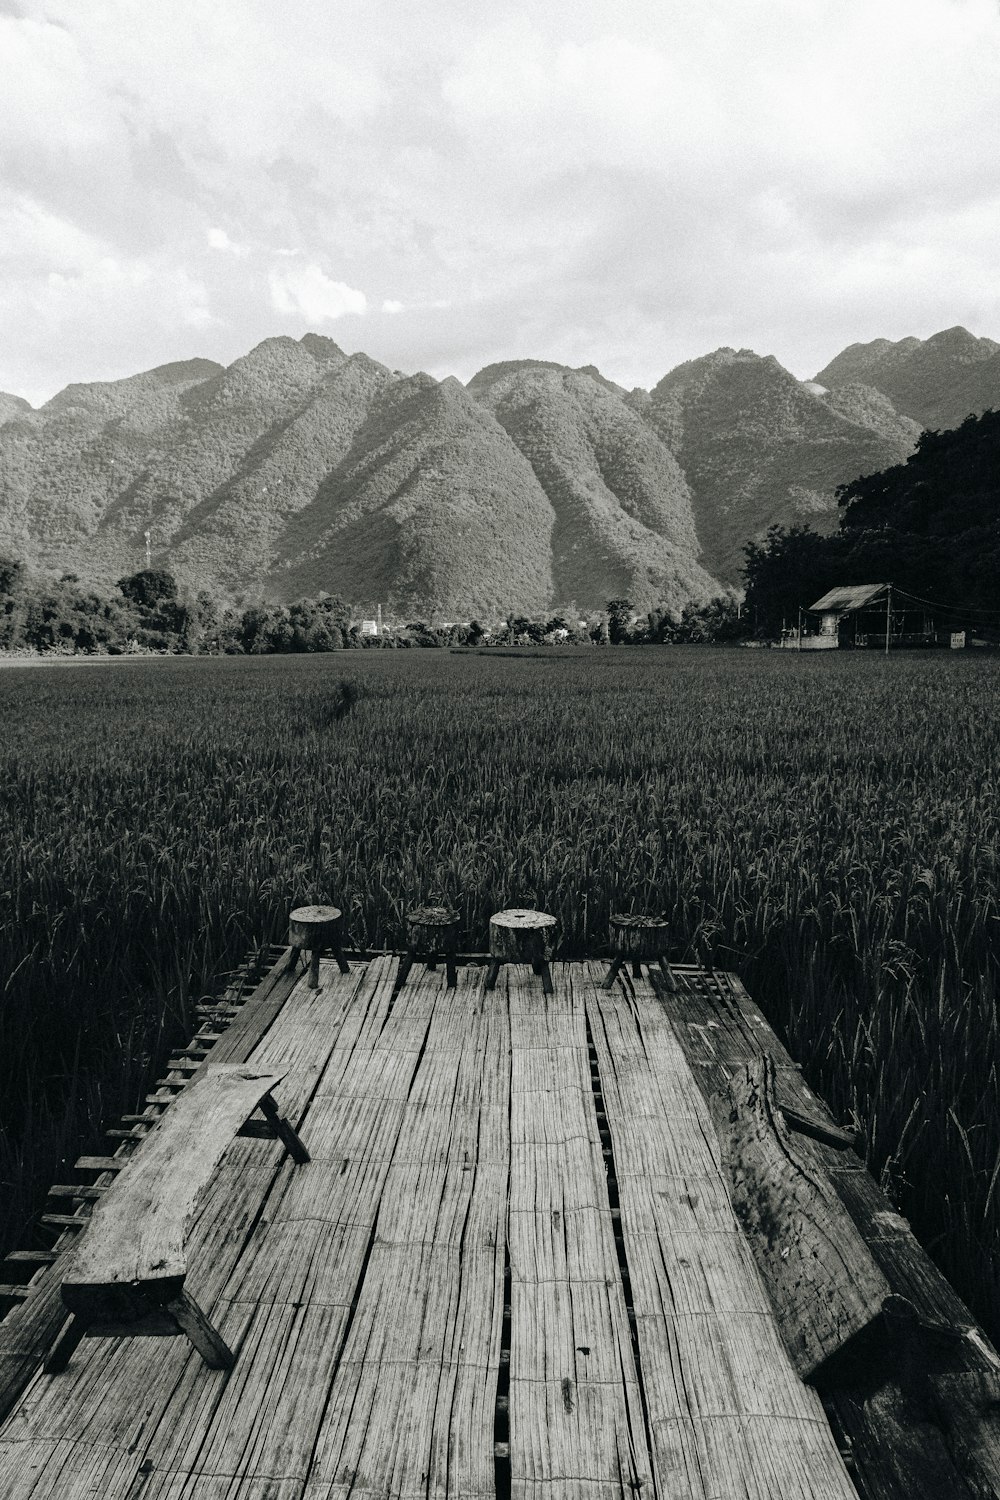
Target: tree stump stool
[639,940]
[432,933]
[311,929]
[518,936]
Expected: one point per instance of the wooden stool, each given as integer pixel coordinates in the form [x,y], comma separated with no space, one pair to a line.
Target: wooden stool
[432,933]
[639,940]
[518,936]
[313,928]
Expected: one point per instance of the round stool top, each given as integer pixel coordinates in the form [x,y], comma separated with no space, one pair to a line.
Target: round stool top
[315,914]
[432,916]
[519,917]
[629,919]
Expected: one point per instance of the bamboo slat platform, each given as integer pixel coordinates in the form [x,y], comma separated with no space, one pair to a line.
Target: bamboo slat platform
[511,1268]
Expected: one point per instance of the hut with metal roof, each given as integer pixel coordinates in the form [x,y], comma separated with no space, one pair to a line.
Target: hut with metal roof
[869,615]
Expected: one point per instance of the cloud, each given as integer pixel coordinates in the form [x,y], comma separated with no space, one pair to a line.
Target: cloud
[218,239]
[626,186]
[308,291]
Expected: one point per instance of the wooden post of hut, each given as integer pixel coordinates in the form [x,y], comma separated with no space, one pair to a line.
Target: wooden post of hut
[639,940]
[313,929]
[432,934]
[519,936]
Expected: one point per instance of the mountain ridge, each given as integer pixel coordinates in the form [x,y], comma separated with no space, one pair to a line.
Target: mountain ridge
[299,467]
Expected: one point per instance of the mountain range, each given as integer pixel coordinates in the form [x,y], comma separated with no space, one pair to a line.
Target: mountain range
[300,468]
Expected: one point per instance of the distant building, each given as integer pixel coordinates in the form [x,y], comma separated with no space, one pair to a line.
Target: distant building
[369,627]
[864,615]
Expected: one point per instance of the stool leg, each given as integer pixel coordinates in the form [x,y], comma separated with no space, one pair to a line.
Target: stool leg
[451,969]
[432,963]
[342,963]
[405,965]
[546,974]
[493,973]
[294,957]
[314,969]
[611,975]
[536,966]
[636,969]
[62,1350]
[667,973]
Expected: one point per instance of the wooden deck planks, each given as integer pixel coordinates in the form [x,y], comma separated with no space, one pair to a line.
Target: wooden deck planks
[411,1411]
[576,1421]
[727,1413]
[453,1133]
[177,1401]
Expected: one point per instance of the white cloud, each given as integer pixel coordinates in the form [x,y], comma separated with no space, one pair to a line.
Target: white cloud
[218,239]
[622,185]
[308,291]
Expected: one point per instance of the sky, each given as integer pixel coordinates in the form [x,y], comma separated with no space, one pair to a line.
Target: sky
[444,185]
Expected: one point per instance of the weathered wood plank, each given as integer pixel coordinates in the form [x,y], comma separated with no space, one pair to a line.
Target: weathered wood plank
[423,1348]
[179,1401]
[576,1414]
[138,1229]
[825,1288]
[897,1433]
[27,1333]
[726,1411]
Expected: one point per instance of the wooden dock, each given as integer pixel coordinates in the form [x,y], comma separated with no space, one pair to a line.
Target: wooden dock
[512,1267]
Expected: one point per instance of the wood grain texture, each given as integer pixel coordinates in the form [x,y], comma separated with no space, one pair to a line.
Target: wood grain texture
[576,1417]
[825,1288]
[27,1333]
[906,1445]
[727,1414]
[483,1208]
[138,1230]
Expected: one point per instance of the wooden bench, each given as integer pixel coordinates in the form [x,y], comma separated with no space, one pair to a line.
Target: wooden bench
[126,1273]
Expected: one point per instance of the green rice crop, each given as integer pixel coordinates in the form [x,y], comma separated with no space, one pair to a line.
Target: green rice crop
[828,827]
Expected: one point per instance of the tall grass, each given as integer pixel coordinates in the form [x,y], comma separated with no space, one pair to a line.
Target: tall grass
[827,827]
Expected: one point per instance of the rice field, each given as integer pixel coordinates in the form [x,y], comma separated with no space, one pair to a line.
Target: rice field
[828,827]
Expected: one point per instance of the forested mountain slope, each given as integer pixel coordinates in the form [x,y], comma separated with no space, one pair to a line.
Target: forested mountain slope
[299,468]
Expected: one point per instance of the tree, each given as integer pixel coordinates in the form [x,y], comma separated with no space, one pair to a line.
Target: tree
[620,612]
[149,587]
[791,568]
[12,575]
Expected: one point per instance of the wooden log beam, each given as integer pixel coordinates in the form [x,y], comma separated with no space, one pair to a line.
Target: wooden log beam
[910,1436]
[825,1287]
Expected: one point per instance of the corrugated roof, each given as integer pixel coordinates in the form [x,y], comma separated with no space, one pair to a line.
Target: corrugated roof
[850,596]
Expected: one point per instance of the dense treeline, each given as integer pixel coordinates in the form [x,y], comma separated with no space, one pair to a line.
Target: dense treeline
[148,613]
[929,526]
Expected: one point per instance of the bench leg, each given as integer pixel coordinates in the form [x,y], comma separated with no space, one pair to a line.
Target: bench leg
[62,1350]
[191,1320]
[286,1134]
